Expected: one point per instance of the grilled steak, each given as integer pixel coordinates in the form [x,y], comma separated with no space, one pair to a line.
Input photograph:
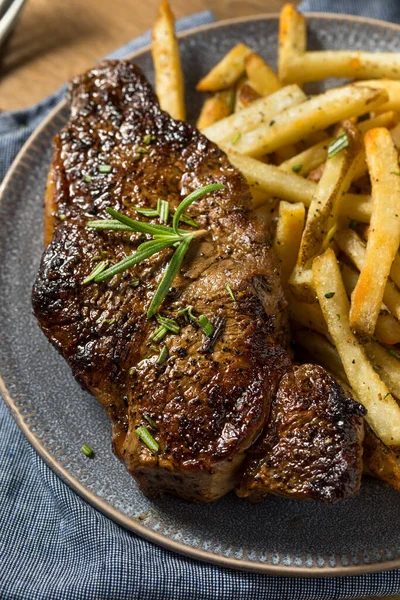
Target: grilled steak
[312,441]
[211,399]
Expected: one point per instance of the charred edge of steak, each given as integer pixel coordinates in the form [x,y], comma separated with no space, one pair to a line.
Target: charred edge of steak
[312,448]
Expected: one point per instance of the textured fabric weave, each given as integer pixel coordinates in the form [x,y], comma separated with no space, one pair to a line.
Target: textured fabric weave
[54,546]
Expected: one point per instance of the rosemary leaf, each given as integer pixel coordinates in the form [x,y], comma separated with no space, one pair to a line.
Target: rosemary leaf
[144,434]
[169,275]
[163,211]
[147,212]
[230,292]
[110,224]
[159,334]
[144,227]
[162,357]
[150,421]
[99,268]
[196,195]
[144,251]
[206,325]
[340,143]
[170,324]
[188,221]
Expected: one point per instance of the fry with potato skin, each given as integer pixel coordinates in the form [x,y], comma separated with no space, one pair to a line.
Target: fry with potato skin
[226,72]
[383,411]
[216,107]
[167,63]
[319,112]
[384,235]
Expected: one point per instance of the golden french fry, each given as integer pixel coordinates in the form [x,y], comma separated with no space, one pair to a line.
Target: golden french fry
[291,187]
[384,236]
[395,133]
[289,229]
[292,39]
[167,63]
[352,64]
[226,72]
[311,158]
[322,215]
[379,461]
[387,364]
[383,412]
[352,245]
[392,87]
[216,107]
[387,329]
[245,95]
[260,111]
[318,112]
[322,351]
[263,79]
[306,315]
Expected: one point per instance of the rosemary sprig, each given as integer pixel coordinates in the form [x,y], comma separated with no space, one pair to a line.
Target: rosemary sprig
[99,268]
[163,237]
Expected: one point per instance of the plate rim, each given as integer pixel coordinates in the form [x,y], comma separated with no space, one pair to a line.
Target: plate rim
[102,505]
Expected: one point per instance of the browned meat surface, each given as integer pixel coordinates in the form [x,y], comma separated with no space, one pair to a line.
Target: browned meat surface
[312,446]
[210,404]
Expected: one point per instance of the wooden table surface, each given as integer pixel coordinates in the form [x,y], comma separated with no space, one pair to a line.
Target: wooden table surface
[55,40]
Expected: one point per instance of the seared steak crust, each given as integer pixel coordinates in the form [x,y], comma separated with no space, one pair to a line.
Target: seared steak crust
[209,406]
[210,402]
[312,446]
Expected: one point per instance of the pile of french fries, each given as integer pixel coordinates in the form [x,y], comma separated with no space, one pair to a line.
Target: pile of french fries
[332,163]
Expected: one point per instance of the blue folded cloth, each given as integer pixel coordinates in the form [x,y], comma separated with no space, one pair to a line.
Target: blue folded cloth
[54,546]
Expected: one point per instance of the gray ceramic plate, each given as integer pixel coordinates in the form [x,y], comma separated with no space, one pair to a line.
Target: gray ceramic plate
[279,536]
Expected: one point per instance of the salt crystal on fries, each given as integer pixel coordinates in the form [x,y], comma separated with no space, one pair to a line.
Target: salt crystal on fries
[383,412]
[167,64]
[318,112]
[226,72]
[384,236]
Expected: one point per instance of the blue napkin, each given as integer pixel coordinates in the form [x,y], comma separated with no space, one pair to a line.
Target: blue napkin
[54,546]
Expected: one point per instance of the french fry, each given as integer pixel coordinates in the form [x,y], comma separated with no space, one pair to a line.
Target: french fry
[245,95]
[322,351]
[263,79]
[289,229]
[167,63]
[352,64]
[260,111]
[351,244]
[292,39]
[379,461]
[216,107]
[387,329]
[395,133]
[291,187]
[387,364]
[226,72]
[306,315]
[322,214]
[384,236]
[319,112]
[392,87]
[311,158]
[383,412]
